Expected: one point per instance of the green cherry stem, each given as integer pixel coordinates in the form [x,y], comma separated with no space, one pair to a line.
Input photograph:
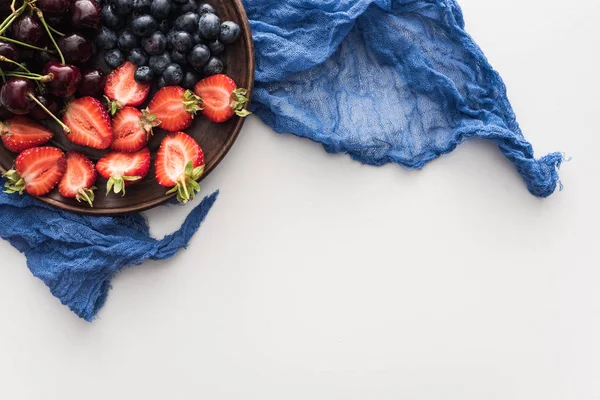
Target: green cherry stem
[55,31]
[40,15]
[33,77]
[7,39]
[2,74]
[8,60]
[39,103]
[11,18]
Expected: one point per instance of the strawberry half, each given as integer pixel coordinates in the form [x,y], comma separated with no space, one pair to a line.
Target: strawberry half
[179,164]
[89,123]
[221,98]
[21,133]
[122,169]
[174,107]
[37,171]
[132,129]
[79,178]
[122,90]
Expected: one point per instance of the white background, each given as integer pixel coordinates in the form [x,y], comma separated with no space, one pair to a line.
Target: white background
[315,277]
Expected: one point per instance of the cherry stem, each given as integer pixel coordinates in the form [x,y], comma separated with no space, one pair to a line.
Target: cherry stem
[2,74]
[55,31]
[6,39]
[39,103]
[32,76]
[8,60]
[40,15]
[11,18]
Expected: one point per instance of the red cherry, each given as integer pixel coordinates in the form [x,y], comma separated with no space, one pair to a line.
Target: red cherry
[13,95]
[28,29]
[75,48]
[86,14]
[9,51]
[67,78]
[92,82]
[54,6]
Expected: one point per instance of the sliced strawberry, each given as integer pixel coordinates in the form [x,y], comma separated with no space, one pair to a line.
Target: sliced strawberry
[132,129]
[79,178]
[174,107]
[89,123]
[122,169]
[221,98]
[122,90]
[179,164]
[21,133]
[37,171]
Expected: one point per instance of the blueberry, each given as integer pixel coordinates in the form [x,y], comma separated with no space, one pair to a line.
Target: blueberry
[142,6]
[216,47]
[230,32]
[190,6]
[181,41]
[199,56]
[187,22]
[143,74]
[112,20]
[190,79]
[198,39]
[161,82]
[122,7]
[164,26]
[160,8]
[128,41]
[213,66]
[206,9]
[138,57]
[144,25]
[155,44]
[159,63]
[178,57]
[180,1]
[114,58]
[173,74]
[209,26]
[106,39]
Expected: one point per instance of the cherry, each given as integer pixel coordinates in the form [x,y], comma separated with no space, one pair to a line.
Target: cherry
[67,78]
[9,51]
[86,14]
[13,95]
[75,48]
[49,102]
[60,22]
[54,6]
[28,29]
[92,82]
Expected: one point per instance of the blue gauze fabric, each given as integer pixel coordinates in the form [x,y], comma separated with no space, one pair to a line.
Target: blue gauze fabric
[384,81]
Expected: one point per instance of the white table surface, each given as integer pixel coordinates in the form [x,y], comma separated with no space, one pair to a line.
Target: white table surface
[315,277]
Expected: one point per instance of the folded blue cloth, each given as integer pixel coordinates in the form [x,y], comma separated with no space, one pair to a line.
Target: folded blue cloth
[382,80]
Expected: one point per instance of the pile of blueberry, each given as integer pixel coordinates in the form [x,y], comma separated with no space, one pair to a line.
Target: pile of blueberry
[172,42]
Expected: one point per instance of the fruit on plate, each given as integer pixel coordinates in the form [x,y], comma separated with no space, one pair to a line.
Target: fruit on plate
[89,123]
[123,169]
[132,129]
[179,164]
[175,107]
[37,171]
[122,89]
[79,178]
[13,95]
[21,133]
[66,78]
[221,98]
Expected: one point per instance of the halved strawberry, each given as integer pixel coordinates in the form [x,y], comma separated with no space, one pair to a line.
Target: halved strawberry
[37,171]
[174,107]
[122,169]
[79,178]
[89,123]
[21,133]
[132,129]
[221,98]
[122,90]
[179,164]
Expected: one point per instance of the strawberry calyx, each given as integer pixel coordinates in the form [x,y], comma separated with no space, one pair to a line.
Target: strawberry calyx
[113,106]
[118,183]
[87,195]
[187,186]
[238,103]
[4,129]
[191,102]
[14,183]
[148,121]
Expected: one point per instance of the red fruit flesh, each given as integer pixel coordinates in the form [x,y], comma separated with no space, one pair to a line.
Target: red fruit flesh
[21,133]
[41,168]
[221,98]
[118,165]
[175,152]
[131,129]
[174,107]
[89,123]
[80,176]
[122,88]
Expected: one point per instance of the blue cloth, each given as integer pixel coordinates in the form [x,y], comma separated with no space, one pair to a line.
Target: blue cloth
[384,81]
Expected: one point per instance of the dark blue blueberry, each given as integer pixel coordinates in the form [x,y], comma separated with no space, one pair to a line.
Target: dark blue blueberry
[216,47]
[173,74]
[106,39]
[187,22]
[142,6]
[144,25]
[138,57]
[114,58]
[112,20]
[159,63]
[230,32]
[164,26]
[122,7]
[127,41]
[155,44]
[199,56]
[198,39]
[160,9]
[179,58]
[161,82]
[213,66]
[190,6]
[206,9]
[209,26]
[143,74]
[181,41]
[190,78]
